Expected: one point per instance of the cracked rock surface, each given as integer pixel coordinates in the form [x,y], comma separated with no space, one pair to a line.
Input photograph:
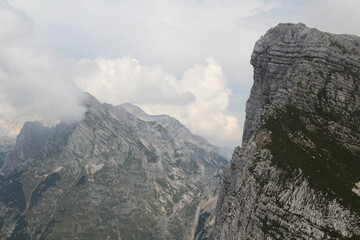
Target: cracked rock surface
[117,174]
[297,173]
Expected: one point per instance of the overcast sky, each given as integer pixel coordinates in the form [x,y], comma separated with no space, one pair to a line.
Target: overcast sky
[186,58]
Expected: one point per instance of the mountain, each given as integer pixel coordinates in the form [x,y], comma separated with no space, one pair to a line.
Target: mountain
[117,174]
[226,152]
[8,132]
[297,174]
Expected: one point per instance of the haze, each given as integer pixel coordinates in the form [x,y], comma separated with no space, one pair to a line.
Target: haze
[187,59]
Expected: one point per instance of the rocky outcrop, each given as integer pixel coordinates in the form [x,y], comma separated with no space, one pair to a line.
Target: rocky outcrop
[117,174]
[296,175]
[9,130]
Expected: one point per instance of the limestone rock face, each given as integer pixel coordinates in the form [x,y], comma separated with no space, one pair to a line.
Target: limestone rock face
[297,174]
[117,174]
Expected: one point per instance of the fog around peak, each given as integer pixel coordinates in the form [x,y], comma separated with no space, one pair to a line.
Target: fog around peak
[33,80]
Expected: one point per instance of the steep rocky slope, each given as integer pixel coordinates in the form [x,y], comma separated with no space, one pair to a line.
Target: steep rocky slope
[297,174]
[117,174]
[8,132]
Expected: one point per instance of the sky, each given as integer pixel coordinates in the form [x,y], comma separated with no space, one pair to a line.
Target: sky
[189,59]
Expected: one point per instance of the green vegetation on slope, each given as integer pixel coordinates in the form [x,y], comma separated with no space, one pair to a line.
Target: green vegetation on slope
[330,167]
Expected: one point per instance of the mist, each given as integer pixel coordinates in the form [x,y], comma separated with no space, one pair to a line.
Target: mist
[145,52]
[34,80]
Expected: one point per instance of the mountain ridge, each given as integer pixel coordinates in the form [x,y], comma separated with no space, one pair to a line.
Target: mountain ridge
[295,175]
[111,175]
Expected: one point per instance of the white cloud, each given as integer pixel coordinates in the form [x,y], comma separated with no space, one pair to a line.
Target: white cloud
[207,115]
[33,80]
[15,26]
[40,81]
[333,15]
[124,79]
[166,36]
[199,99]
[327,15]
[171,33]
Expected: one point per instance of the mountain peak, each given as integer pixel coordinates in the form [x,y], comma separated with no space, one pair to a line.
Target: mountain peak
[295,64]
[89,100]
[142,179]
[299,165]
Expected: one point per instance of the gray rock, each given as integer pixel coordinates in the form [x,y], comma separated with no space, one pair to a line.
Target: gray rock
[9,129]
[296,174]
[117,174]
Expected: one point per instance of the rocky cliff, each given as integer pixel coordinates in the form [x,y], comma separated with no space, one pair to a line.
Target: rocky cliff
[117,174]
[297,174]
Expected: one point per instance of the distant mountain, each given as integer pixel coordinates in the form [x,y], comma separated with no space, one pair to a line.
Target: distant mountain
[8,133]
[297,174]
[226,152]
[117,174]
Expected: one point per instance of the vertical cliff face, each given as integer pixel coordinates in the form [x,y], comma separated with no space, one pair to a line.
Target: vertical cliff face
[298,172]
